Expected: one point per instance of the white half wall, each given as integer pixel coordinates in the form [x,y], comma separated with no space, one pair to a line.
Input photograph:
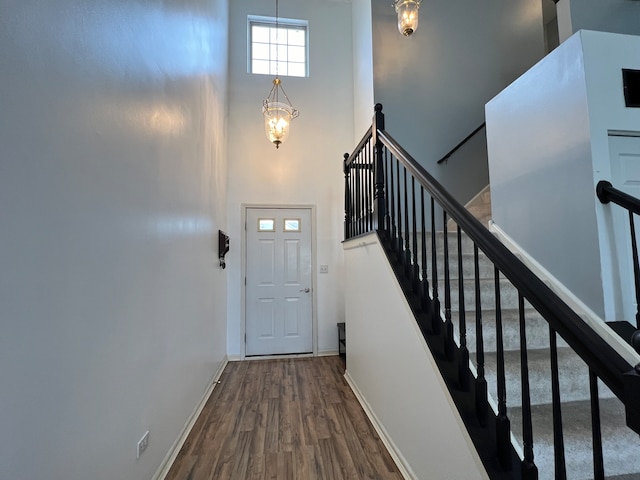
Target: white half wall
[548,142]
[307,168]
[392,368]
[112,189]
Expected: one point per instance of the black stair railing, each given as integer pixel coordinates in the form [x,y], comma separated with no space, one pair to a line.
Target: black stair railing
[389,193]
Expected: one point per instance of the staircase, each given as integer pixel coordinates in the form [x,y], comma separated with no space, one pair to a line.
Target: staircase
[621,446]
[524,393]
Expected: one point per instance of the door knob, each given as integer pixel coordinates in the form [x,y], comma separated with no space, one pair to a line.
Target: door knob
[306,290]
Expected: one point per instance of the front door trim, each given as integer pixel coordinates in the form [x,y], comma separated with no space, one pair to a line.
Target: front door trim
[243,254]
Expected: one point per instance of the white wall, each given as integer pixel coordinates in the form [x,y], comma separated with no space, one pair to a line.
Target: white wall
[547,155]
[362,68]
[616,16]
[434,84]
[307,168]
[392,368]
[112,189]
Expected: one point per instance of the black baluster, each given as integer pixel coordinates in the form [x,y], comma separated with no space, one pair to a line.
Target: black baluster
[558,434]
[387,208]
[379,194]
[435,304]
[528,467]
[463,359]
[426,303]
[393,233]
[399,203]
[352,206]
[449,345]
[372,208]
[482,404]
[407,245]
[503,425]
[366,179]
[415,266]
[636,268]
[358,173]
[596,430]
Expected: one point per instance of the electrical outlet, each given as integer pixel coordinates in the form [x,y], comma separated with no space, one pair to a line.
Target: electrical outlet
[143,443]
[324,268]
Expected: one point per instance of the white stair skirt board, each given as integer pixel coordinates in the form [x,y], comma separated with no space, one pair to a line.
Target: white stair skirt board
[399,460]
[166,464]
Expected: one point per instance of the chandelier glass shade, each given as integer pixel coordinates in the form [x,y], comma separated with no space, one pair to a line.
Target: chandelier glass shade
[278,114]
[407,11]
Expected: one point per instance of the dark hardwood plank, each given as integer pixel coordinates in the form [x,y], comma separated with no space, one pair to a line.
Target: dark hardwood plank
[283,419]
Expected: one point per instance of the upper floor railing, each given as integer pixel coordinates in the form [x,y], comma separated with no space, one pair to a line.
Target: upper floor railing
[424,230]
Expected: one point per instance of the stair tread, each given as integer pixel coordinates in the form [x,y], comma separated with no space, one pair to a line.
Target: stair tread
[573,376]
[619,458]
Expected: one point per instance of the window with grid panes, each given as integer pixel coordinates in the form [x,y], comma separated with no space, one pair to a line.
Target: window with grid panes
[282,51]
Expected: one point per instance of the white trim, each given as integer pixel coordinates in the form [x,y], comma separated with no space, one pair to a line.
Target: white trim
[243,266]
[328,353]
[589,316]
[288,23]
[173,452]
[402,464]
[370,238]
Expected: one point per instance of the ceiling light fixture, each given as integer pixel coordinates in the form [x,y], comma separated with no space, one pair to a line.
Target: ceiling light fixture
[277,114]
[407,11]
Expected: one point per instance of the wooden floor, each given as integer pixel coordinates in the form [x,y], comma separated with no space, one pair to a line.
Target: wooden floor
[283,419]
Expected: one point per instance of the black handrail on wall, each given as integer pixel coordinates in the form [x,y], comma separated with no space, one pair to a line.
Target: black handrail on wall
[388,192]
[459,145]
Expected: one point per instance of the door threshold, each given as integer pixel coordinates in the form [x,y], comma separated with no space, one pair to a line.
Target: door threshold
[277,356]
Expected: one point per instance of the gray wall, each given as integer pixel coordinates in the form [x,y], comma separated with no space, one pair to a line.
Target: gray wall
[434,84]
[615,16]
[112,189]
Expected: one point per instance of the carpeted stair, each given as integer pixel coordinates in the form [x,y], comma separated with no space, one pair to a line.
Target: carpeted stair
[621,446]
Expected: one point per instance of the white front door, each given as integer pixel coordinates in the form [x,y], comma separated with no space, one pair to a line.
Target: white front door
[278,281]
[625,176]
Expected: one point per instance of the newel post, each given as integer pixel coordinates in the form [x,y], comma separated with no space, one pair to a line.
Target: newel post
[379,200]
[347,198]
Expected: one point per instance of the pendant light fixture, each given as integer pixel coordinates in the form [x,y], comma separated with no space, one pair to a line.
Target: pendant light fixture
[277,109]
[407,11]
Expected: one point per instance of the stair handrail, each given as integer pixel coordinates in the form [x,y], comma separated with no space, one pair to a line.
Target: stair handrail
[606,193]
[462,142]
[605,361]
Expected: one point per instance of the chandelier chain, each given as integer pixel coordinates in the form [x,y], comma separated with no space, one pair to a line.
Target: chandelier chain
[277,39]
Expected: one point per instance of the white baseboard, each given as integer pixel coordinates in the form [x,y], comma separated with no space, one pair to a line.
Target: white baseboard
[166,464]
[328,353]
[396,455]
